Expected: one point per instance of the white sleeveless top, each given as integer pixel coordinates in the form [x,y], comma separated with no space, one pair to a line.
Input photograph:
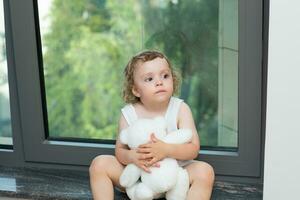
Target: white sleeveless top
[171,115]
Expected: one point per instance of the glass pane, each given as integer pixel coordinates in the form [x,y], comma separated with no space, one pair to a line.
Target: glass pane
[5,120]
[227,75]
[86,45]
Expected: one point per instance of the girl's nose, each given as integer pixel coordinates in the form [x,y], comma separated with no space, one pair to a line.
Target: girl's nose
[159,82]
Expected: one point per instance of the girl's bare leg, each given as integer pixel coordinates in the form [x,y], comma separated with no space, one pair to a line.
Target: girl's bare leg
[105,171]
[202,178]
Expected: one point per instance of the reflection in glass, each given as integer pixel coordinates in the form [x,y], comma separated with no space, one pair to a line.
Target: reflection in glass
[8,184]
[86,45]
[5,119]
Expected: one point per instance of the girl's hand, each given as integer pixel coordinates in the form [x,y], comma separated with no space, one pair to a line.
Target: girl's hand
[156,150]
[142,160]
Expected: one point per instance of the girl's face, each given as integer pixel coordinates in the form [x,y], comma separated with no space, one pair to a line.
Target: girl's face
[153,81]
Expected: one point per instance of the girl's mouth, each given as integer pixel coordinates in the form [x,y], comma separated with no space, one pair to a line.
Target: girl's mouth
[160,91]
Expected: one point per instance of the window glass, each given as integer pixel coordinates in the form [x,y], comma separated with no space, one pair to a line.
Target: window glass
[86,45]
[5,118]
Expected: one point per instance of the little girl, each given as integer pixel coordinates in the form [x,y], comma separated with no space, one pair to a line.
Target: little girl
[149,85]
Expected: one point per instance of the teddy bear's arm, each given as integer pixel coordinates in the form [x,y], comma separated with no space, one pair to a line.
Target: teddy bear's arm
[179,136]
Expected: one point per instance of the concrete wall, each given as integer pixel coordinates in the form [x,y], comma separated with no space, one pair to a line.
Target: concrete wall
[282,152]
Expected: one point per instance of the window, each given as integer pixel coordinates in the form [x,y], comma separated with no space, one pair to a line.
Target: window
[5,118]
[86,44]
[69,54]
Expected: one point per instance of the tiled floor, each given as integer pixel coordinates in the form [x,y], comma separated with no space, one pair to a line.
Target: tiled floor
[44,184]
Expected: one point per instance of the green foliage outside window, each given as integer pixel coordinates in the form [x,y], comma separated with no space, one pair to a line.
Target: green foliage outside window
[90,42]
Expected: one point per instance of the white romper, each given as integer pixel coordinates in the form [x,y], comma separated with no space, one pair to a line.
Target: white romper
[171,114]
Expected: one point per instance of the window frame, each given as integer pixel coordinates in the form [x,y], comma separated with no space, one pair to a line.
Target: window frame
[14,155]
[29,137]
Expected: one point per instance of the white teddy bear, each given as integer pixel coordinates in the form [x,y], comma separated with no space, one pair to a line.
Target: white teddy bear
[169,179]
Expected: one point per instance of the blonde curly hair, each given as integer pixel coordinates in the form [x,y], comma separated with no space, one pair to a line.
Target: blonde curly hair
[142,57]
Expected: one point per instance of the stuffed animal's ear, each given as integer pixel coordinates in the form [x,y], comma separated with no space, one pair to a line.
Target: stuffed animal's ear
[124,136]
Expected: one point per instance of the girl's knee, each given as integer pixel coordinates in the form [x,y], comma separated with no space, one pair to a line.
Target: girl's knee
[209,171]
[206,173]
[100,163]
[203,172]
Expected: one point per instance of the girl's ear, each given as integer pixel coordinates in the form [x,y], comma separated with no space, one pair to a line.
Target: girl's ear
[135,92]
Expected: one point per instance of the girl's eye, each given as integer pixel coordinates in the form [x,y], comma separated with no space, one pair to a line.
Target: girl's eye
[149,79]
[166,75]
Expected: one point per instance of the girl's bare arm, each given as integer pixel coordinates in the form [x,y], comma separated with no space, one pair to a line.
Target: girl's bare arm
[190,150]
[124,154]
[122,151]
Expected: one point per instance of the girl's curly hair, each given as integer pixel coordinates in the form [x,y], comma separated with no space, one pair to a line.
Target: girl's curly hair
[142,57]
